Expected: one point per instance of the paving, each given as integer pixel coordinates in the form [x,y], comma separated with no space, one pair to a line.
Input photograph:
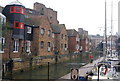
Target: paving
[84,69]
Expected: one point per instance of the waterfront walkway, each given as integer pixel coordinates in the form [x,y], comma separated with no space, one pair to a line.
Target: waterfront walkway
[84,69]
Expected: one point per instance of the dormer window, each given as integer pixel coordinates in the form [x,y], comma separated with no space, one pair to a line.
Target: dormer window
[18,25]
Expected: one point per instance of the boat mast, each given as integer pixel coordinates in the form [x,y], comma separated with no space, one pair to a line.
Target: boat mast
[111,23]
[105,31]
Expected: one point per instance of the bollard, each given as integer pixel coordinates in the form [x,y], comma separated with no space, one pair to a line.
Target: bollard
[48,70]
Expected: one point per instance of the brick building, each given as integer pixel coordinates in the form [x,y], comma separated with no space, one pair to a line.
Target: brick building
[85,41]
[96,40]
[61,38]
[50,13]
[11,43]
[73,41]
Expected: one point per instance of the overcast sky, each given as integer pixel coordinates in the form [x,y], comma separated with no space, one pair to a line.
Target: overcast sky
[86,14]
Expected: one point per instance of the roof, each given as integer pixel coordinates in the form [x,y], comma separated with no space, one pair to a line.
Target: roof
[56,29]
[2,15]
[72,32]
[33,20]
[16,3]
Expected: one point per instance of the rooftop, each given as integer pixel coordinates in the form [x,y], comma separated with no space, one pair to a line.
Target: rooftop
[16,3]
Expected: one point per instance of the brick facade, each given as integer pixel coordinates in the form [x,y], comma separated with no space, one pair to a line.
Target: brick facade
[50,13]
[73,41]
[61,38]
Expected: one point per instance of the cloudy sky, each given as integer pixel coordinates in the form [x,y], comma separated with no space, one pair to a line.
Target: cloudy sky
[86,14]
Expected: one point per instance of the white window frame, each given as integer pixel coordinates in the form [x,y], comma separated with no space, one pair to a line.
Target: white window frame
[49,33]
[29,30]
[16,45]
[48,47]
[65,47]
[42,31]
[77,46]
[53,35]
[2,43]
[28,45]
[42,44]
[53,45]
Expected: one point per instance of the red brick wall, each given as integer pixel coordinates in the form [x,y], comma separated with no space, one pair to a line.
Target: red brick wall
[72,44]
[46,25]
[83,45]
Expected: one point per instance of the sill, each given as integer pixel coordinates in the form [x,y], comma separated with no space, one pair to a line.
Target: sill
[15,51]
[1,51]
[27,51]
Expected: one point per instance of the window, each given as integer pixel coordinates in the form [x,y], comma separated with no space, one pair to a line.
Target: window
[2,44]
[23,11]
[62,36]
[61,45]
[12,9]
[53,35]
[48,33]
[42,31]
[29,30]
[28,46]
[53,45]
[42,11]
[18,25]
[77,46]
[65,37]
[50,17]
[16,9]
[49,47]
[65,47]
[42,44]
[48,44]
[16,45]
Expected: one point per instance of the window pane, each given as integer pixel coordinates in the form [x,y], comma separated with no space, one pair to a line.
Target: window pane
[53,35]
[48,44]
[22,10]
[16,45]
[21,26]
[2,43]
[28,46]
[49,33]
[42,30]
[17,24]
[42,44]
[17,9]
[12,9]
[29,30]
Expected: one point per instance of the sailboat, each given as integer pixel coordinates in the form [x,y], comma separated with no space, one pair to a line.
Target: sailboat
[112,55]
[105,69]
